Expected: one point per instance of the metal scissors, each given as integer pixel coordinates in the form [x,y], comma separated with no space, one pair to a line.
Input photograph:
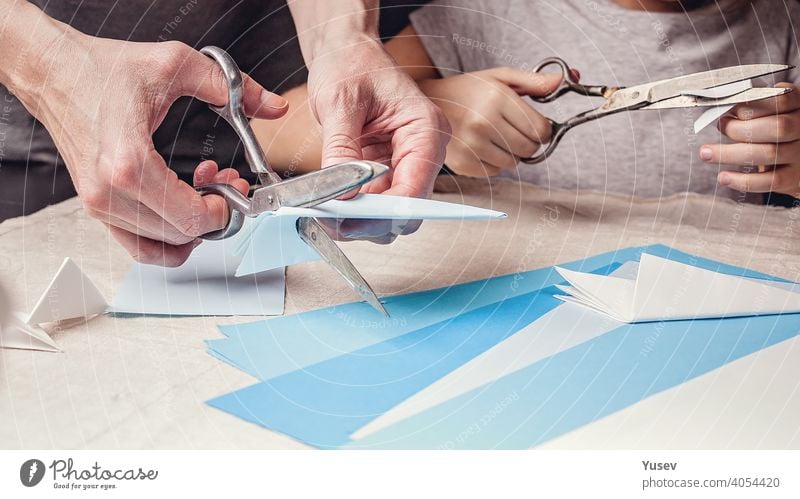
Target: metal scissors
[273,192]
[663,94]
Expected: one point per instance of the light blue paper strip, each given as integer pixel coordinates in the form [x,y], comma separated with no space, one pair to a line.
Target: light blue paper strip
[325,403]
[270,348]
[322,407]
[585,383]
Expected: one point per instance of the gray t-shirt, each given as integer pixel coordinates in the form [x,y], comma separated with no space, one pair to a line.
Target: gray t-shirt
[642,153]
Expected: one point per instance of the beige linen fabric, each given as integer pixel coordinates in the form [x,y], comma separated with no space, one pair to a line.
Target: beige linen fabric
[141,382]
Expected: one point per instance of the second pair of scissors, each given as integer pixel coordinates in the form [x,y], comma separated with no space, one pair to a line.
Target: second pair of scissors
[663,94]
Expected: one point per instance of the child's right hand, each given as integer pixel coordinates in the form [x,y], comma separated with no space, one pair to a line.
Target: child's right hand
[492,125]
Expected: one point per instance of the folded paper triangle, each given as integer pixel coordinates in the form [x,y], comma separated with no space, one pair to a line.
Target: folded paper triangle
[663,289]
[68,296]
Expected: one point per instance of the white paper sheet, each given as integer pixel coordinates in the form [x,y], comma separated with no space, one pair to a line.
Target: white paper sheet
[558,330]
[714,113]
[18,334]
[668,290]
[273,241]
[204,285]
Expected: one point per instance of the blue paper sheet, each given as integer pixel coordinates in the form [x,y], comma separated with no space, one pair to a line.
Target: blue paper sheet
[329,399]
[324,403]
[272,347]
[585,383]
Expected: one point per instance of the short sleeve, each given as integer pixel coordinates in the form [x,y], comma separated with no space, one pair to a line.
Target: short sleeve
[429,23]
[454,33]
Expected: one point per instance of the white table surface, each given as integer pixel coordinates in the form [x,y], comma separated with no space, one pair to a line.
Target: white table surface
[141,382]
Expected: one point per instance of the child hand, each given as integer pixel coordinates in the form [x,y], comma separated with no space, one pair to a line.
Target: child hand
[767,133]
[492,125]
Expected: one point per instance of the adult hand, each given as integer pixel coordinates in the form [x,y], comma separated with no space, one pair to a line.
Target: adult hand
[101,100]
[370,109]
[767,135]
[493,126]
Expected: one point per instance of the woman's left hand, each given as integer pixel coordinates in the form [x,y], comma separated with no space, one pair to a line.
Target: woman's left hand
[767,135]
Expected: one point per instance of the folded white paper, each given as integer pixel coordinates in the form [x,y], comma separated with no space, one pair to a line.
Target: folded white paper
[667,290]
[272,242]
[17,333]
[714,113]
[69,295]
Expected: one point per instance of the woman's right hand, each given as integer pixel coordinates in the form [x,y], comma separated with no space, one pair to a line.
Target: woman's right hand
[492,125]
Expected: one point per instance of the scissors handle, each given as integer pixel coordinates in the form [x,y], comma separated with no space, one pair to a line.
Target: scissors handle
[567,84]
[233,113]
[238,207]
[558,132]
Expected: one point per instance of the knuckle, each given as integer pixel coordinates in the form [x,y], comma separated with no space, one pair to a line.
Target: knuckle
[491,171]
[218,82]
[782,181]
[496,93]
[773,152]
[743,112]
[477,123]
[126,175]
[340,144]
[145,253]
[784,101]
[529,149]
[189,227]
[542,130]
[95,201]
[173,55]
[444,125]
[509,161]
[784,125]
[747,183]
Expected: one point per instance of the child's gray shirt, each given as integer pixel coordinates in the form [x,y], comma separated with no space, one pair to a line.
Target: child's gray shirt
[642,153]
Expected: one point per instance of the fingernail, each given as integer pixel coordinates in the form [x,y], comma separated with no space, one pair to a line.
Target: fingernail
[706,154]
[724,179]
[576,75]
[273,101]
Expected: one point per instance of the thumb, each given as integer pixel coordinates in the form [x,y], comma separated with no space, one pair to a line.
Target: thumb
[200,76]
[341,137]
[527,82]
[341,140]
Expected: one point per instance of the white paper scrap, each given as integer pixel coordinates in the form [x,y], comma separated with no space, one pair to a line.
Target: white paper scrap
[668,290]
[714,113]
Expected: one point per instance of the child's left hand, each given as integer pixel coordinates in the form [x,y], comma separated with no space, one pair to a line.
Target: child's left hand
[767,133]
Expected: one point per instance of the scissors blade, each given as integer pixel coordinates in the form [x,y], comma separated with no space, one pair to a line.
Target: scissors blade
[315,188]
[667,89]
[750,95]
[315,236]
